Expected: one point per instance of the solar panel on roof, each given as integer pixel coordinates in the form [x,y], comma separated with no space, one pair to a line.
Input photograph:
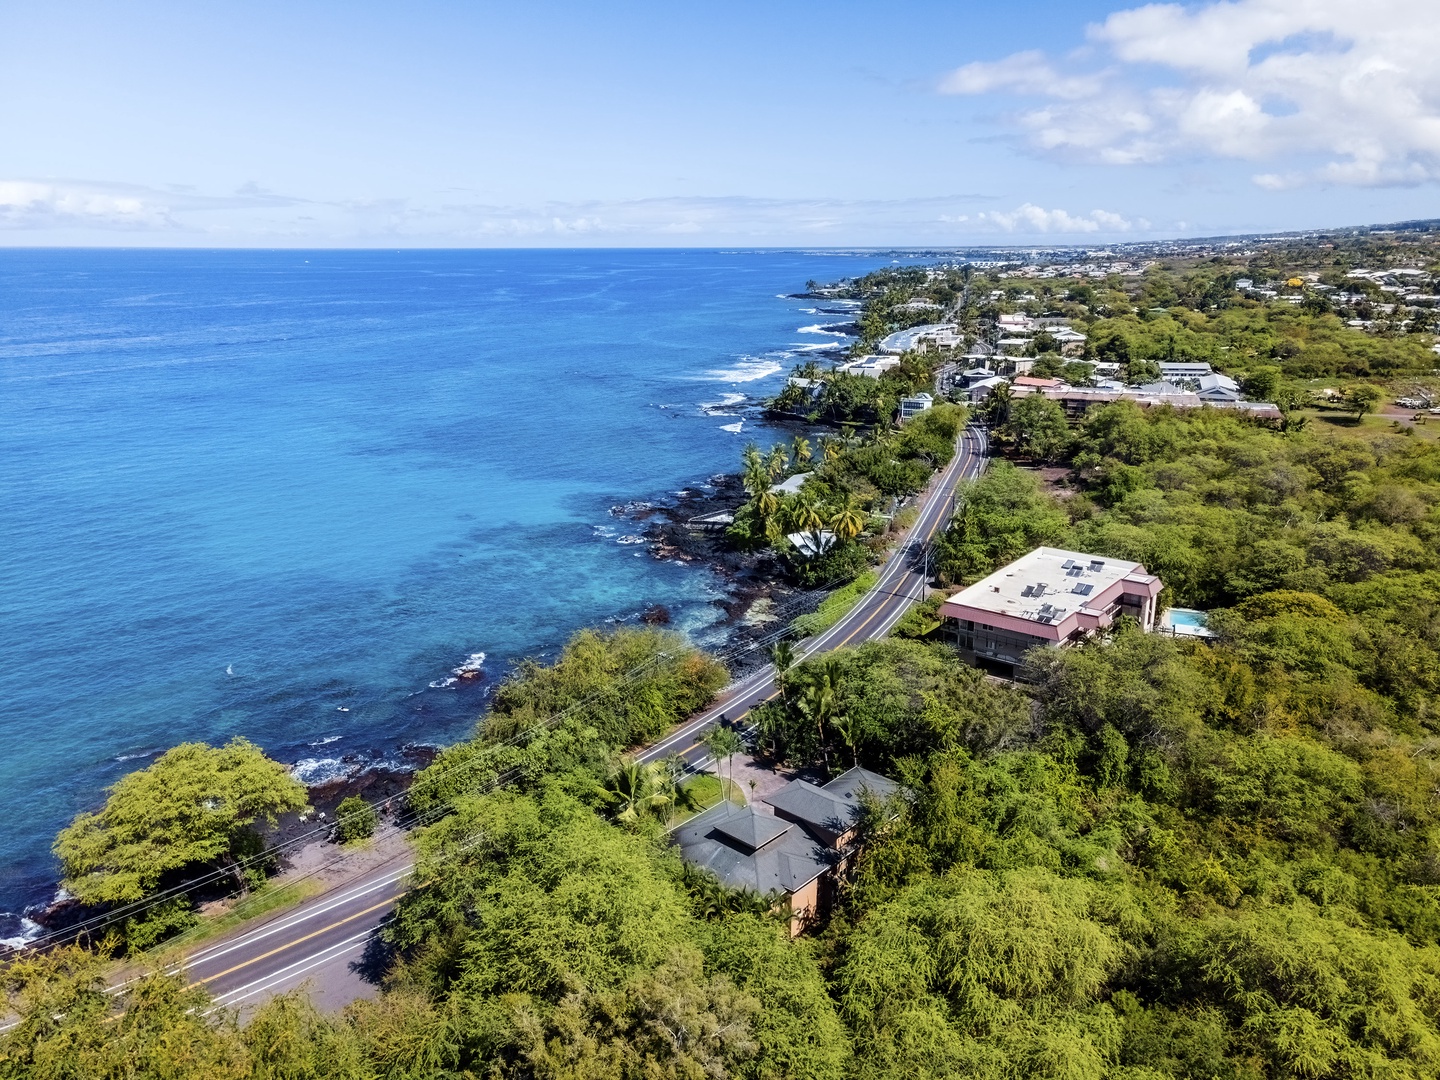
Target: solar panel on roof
[1083,588]
[1096,565]
[1067,564]
[1075,571]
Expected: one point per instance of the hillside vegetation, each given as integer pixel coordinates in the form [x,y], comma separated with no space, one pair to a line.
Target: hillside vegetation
[1151,857]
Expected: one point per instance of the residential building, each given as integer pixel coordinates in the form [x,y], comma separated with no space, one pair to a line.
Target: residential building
[792,843]
[1049,597]
[1162,389]
[1076,400]
[812,388]
[981,389]
[903,341]
[1217,387]
[791,485]
[870,366]
[914,405]
[1180,370]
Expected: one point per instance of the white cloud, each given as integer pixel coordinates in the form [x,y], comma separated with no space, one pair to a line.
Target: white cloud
[1336,91]
[28,204]
[1029,218]
[91,205]
[1026,72]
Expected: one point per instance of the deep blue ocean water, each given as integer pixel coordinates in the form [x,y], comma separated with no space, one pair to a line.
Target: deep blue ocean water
[283,494]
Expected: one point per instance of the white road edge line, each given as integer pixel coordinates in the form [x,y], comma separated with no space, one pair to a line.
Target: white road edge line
[290,971]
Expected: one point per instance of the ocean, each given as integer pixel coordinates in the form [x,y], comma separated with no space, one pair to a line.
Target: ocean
[285,495]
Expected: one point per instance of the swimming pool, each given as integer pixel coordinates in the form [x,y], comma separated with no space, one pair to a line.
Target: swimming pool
[1186,622]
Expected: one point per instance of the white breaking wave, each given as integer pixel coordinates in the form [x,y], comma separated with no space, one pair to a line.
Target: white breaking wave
[326,741]
[819,346]
[29,931]
[735,428]
[726,400]
[472,665]
[318,770]
[819,329]
[747,369]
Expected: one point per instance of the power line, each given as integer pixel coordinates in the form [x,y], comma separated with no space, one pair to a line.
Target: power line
[96,924]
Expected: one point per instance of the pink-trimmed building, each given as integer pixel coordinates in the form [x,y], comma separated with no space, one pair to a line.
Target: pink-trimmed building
[1048,597]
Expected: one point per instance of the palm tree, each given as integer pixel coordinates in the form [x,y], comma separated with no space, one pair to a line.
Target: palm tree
[817,704]
[830,450]
[850,521]
[800,450]
[782,655]
[756,479]
[845,728]
[632,789]
[778,461]
[805,517]
[767,502]
[750,458]
[723,742]
[820,703]
[998,404]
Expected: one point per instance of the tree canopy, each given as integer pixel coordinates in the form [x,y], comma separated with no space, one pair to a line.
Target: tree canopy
[188,809]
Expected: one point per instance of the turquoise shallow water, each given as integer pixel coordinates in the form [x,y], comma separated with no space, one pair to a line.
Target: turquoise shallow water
[281,494]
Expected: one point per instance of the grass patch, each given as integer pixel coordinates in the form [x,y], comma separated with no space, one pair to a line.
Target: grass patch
[262,901]
[921,620]
[905,518]
[705,789]
[834,607]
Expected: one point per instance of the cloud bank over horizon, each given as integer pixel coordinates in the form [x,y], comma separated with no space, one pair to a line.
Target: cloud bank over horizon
[135,215]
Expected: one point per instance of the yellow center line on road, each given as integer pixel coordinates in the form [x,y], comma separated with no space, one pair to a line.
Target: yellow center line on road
[296,941]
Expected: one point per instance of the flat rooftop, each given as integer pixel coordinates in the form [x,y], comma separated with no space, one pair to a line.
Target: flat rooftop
[1047,585]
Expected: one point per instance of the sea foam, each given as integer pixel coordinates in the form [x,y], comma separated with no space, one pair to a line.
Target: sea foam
[747,369]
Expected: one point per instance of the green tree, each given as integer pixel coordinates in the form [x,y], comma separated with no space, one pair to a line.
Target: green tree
[355,819]
[1363,399]
[191,808]
[1039,427]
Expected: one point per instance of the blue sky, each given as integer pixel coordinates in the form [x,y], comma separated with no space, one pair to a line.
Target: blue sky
[472,124]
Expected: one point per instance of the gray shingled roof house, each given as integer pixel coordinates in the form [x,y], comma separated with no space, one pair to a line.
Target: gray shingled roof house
[787,842]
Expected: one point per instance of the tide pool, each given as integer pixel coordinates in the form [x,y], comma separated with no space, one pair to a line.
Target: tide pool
[283,494]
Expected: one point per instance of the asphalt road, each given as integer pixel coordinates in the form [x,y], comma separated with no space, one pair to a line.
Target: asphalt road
[324,941]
